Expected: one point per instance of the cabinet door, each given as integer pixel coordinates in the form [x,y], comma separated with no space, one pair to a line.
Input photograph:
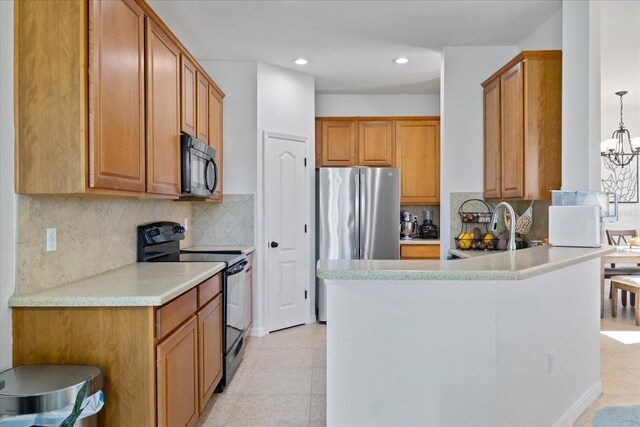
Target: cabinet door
[163,113]
[339,143]
[376,145]
[209,349]
[512,132]
[187,96]
[116,96]
[215,135]
[177,377]
[202,107]
[492,166]
[418,155]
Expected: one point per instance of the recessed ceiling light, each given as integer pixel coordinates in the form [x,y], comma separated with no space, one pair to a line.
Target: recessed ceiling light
[401,60]
[300,61]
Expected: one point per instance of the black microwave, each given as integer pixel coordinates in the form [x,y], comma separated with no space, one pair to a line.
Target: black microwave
[199,167]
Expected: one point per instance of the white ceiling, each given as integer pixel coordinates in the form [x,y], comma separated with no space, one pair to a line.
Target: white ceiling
[350,44]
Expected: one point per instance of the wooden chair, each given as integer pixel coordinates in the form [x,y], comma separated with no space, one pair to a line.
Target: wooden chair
[619,238]
[626,283]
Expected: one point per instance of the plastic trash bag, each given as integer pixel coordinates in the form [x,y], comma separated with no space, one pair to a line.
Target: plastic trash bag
[92,405]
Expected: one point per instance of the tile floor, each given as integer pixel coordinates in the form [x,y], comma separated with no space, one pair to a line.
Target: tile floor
[280,382]
[619,362]
[282,379]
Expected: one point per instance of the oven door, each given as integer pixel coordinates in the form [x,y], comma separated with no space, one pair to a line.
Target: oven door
[235,303]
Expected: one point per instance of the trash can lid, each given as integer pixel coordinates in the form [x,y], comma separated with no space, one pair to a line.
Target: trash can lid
[32,389]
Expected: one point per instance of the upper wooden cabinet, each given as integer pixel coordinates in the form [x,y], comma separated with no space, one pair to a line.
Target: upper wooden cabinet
[522,127]
[163,113]
[202,108]
[418,156]
[339,142]
[188,96]
[116,96]
[355,142]
[492,166]
[110,122]
[215,134]
[376,145]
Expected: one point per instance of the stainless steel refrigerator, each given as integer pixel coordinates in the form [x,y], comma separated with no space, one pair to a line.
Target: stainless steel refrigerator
[358,217]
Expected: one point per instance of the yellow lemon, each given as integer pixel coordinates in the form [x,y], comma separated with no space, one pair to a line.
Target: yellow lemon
[464,240]
[489,237]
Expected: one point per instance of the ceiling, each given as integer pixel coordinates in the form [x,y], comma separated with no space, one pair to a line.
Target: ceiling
[350,45]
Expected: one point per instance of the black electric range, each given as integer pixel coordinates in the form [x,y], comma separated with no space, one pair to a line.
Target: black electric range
[160,242]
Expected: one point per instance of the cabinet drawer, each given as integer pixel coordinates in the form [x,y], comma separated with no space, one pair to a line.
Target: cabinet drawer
[209,289]
[419,251]
[173,314]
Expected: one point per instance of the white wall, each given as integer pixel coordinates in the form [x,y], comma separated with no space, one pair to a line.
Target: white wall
[377,105]
[285,104]
[7,196]
[238,80]
[463,70]
[581,95]
[548,36]
[620,32]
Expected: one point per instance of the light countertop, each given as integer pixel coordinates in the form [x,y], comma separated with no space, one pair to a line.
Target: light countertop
[139,284]
[515,265]
[242,249]
[420,242]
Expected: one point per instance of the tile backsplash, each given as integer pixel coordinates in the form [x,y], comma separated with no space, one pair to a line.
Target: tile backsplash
[228,223]
[95,235]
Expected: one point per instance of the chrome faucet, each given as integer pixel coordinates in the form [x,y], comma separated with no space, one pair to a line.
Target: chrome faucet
[511,246]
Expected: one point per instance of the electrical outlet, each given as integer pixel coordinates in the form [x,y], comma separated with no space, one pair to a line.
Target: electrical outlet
[52,240]
[551,361]
[186,224]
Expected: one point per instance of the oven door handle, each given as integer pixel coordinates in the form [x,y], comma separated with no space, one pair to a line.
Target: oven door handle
[237,268]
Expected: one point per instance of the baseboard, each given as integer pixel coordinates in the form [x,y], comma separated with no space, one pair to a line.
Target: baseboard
[581,405]
[258,332]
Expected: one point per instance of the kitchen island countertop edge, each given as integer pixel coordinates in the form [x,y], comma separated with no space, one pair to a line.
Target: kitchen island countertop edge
[516,265]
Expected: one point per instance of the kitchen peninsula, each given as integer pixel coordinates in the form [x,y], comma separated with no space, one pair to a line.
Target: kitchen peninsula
[504,339]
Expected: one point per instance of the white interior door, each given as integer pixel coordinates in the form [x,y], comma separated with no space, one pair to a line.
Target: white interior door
[286,197]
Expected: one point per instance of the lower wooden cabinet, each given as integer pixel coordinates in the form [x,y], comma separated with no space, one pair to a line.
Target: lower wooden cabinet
[209,350]
[177,377]
[416,251]
[160,364]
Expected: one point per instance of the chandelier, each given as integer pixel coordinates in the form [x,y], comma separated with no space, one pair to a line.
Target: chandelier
[618,150]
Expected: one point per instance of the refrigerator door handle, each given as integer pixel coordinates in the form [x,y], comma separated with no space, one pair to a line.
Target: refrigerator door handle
[357,252]
[361,214]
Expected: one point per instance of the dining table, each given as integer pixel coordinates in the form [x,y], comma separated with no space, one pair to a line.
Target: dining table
[623,254]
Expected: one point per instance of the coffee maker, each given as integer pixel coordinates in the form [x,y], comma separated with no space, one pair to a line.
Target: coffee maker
[428,230]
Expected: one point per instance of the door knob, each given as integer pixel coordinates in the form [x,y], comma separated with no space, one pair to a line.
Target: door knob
[274,244]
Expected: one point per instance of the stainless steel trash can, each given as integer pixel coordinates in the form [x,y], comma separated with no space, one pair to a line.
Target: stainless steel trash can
[34,389]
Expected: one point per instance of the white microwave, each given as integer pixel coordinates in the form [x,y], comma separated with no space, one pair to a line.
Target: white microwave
[575,226]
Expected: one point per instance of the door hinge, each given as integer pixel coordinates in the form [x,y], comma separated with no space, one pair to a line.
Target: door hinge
[305,228]
[305,162]
[305,294]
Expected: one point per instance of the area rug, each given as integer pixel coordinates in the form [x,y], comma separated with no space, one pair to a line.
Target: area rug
[617,416]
